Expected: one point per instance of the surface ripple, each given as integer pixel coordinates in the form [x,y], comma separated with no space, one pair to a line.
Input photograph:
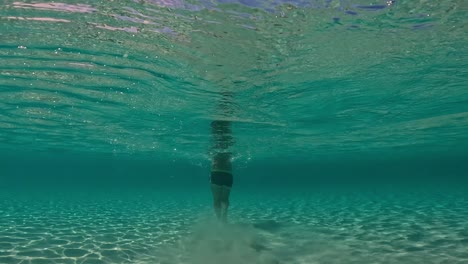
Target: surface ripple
[318,78]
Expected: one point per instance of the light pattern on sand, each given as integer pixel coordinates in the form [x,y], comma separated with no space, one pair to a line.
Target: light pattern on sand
[324,227]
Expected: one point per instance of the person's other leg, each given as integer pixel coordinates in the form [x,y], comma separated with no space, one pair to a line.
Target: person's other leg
[224,202]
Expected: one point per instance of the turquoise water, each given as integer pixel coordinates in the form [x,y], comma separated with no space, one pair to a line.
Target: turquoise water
[349,131]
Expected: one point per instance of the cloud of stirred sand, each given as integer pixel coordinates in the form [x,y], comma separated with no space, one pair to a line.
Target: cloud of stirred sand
[211,242]
[228,244]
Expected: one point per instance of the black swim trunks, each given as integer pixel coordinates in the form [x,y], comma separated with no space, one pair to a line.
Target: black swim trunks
[221,178]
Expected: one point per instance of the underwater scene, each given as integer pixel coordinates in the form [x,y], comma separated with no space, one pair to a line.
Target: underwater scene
[234,131]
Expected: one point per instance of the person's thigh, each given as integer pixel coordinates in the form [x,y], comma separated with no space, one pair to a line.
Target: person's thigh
[225,193]
[217,191]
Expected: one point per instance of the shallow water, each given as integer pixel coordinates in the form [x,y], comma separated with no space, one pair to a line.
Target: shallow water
[349,131]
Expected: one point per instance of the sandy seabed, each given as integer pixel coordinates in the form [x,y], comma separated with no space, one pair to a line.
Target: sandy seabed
[320,227]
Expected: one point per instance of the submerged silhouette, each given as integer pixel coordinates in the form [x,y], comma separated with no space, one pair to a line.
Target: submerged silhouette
[221,167]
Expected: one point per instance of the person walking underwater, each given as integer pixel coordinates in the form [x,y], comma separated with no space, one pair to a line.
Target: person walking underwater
[221,177]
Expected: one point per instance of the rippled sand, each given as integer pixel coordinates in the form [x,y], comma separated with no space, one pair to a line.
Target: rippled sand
[320,227]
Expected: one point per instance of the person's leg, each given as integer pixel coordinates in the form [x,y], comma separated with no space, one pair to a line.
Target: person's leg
[224,202]
[217,191]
